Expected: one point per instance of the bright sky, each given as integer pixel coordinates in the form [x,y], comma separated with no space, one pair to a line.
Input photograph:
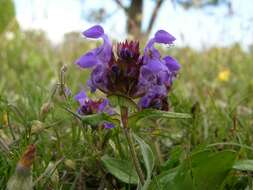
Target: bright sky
[196,28]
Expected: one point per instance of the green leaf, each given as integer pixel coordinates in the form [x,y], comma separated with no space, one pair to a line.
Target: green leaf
[210,170]
[164,180]
[174,158]
[122,101]
[147,154]
[153,113]
[202,170]
[148,157]
[96,119]
[244,165]
[121,169]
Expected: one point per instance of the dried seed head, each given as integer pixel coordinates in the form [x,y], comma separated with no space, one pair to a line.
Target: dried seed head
[28,157]
[45,108]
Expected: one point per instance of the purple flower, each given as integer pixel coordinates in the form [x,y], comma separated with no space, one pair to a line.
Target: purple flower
[158,71]
[108,125]
[89,106]
[126,71]
[156,98]
[97,56]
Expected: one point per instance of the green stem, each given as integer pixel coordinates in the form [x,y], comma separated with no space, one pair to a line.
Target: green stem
[126,129]
[10,127]
[158,152]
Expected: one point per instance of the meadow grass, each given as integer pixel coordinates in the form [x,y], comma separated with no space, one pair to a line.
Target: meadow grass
[214,85]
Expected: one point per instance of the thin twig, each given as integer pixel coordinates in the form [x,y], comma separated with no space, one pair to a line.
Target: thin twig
[73,113]
[121,5]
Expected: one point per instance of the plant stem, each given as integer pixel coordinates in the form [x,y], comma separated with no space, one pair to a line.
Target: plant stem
[10,127]
[126,129]
[158,152]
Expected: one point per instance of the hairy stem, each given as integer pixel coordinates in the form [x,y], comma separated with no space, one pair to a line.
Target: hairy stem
[158,152]
[126,129]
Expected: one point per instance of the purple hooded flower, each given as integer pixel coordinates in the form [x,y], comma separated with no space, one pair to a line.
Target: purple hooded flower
[97,56]
[89,106]
[158,71]
[126,71]
[155,98]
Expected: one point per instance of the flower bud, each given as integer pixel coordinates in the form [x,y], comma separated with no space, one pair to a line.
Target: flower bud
[37,126]
[45,109]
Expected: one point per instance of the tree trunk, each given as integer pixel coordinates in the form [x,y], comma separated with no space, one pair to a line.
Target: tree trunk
[134,20]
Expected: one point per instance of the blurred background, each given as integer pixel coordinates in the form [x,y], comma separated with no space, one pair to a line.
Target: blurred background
[196,23]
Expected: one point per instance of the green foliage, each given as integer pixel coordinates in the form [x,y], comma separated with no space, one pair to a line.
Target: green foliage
[202,170]
[121,169]
[149,159]
[7,14]
[135,118]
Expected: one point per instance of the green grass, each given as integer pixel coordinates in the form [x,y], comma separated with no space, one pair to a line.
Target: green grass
[30,68]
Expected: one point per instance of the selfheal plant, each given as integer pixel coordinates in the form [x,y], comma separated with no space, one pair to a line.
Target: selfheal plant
[126,71]
[123,71]
[89,106]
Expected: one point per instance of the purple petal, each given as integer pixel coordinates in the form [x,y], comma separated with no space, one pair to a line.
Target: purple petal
[157,91]
[99,78]
[161,36]
[144,102]
[94,32]
[155,66]
[164,78]
[87,60]
[150,52]
[103,105]
[171,63]
[81,97]
[91,86]
[79,111]
[100,55]
[108,125]
[104,52]
[149,44]
[154,73]
[147,76]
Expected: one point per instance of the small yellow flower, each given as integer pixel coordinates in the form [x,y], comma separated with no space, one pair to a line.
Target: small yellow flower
[5,119]
[224,75]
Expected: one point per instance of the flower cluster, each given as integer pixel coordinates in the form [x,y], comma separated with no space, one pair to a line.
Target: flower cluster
[89,106]
[126,71]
